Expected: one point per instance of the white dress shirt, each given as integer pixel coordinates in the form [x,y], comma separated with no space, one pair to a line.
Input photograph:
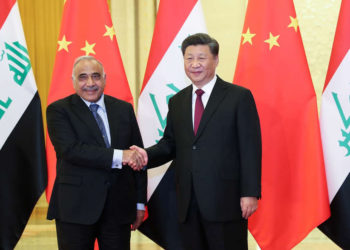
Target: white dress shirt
[207,88]
[117,154]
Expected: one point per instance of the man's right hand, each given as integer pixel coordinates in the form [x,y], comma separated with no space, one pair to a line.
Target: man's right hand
[141,153]
[134,159]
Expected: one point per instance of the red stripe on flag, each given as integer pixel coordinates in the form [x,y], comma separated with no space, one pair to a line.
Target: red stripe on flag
[170,18]
[85,22]
[6,6]
[340,42]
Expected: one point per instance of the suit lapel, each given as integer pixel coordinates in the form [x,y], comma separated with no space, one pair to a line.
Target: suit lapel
[216,96]
[187,111]
[83,112]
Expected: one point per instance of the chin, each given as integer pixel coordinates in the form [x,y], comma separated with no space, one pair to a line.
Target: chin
[91,99]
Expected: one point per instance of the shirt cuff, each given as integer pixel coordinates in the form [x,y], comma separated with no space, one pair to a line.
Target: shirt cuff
[117,159]
[140,206]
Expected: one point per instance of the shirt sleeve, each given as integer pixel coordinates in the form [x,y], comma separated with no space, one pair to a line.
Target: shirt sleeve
[140,206]
[117,159]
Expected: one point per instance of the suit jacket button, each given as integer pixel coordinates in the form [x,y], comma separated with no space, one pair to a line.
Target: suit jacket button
[194,147]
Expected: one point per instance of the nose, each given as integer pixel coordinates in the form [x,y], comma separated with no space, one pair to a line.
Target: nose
[195,63]
[89,81]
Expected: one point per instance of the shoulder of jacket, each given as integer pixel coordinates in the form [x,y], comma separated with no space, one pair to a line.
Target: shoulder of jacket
[182,92]
[64,101]
[113,100]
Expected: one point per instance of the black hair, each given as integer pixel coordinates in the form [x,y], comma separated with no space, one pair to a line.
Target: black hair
[201,39]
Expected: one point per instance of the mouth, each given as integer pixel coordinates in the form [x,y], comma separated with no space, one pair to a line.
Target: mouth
[196,72]
[90,90]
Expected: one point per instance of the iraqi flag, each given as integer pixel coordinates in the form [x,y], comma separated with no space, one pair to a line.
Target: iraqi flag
[86,29]
[335,131]
[22,145]
[164,77]
[272,64]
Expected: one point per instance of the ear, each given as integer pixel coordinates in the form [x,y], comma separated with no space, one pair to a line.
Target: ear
[216,60]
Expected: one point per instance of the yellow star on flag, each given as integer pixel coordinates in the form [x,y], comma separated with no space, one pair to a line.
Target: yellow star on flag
[63,44]
[89,48]
[272,41]
[247,37]
[293,23]
[109,32]
[64,2]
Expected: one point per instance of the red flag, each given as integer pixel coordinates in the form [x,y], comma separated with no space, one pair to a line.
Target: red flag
[86,29]
[272,63]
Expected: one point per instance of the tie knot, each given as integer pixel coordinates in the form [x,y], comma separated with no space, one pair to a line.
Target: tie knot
[199,92]
[94,107]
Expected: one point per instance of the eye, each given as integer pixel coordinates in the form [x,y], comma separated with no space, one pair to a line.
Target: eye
[95,76]
[83,77]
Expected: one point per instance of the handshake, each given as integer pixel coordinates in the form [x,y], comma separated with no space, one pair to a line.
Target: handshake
[135,157]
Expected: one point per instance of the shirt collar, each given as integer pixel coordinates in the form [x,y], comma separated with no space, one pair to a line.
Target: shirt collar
[100,102]
[207,88]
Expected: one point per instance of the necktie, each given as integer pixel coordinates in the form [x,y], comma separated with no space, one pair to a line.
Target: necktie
[94,107]
[198,109]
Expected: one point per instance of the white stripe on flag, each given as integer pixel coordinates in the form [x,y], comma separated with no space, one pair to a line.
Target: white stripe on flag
[17,80]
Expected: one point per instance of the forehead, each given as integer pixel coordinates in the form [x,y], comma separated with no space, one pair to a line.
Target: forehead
[198,49]
[87,66]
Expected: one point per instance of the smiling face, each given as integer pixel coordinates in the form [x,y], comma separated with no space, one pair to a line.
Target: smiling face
[89,80]
[200,64]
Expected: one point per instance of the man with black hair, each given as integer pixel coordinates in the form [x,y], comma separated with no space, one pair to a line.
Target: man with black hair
[213,137]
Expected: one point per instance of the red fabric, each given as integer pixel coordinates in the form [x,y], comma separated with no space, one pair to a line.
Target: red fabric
[294,191]
[340,46]
[165,30]
[85,21]
[6,6]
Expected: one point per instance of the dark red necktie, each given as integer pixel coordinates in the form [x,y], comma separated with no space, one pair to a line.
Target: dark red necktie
[198,109]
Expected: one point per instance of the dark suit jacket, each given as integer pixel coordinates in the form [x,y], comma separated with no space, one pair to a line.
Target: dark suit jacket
[85,181]
[222,162]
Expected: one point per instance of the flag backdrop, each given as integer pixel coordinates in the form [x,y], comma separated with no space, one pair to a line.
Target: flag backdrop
[22,145]
[164,77]
[86,29]
[335,130]
[272,63]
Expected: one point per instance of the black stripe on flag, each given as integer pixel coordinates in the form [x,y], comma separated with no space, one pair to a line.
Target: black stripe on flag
[161,225]
[23,175]
[337,227]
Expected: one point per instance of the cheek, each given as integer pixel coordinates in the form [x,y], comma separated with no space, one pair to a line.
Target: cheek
[102,86]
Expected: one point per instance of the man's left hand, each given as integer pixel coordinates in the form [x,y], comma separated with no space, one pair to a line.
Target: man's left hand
[248,206]
[139,218]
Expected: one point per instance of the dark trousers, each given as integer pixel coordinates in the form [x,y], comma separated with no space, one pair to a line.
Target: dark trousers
[200,234]
[109,235]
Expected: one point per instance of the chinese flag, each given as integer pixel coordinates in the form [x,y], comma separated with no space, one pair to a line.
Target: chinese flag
[86,29]
[272,64]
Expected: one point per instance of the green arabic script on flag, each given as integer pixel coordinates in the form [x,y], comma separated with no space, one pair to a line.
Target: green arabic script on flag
[19,58]
[19,64]
[162,120]
[346,122]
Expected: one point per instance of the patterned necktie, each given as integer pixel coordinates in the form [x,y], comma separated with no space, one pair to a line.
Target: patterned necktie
[94,107]
[198,109]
